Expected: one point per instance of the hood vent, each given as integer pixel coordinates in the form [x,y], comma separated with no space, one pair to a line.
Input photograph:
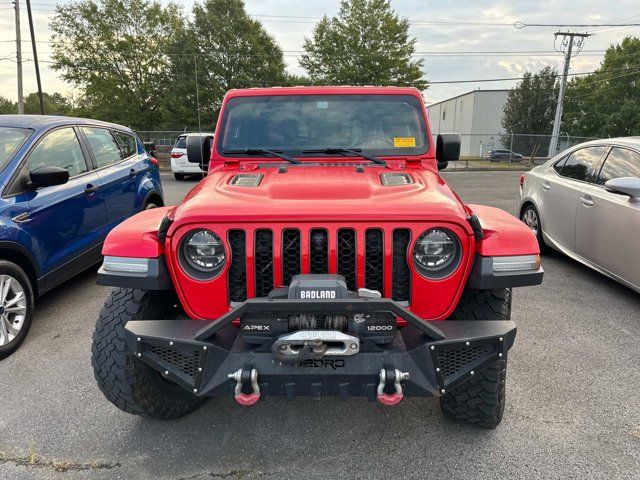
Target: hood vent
[246,180]
[395,179]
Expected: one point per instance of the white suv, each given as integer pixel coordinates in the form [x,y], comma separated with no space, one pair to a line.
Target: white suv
[180,166]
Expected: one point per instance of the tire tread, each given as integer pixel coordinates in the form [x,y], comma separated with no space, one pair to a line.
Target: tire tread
[129,384]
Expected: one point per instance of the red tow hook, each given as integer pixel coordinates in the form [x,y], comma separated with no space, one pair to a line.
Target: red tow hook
[391,398]
[250,376]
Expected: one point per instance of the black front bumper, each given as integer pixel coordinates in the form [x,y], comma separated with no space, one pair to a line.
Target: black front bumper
[201,355]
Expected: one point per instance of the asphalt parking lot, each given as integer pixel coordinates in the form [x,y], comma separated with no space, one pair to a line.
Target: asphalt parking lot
[573,408]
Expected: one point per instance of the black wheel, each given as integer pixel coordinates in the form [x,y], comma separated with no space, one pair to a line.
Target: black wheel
[484,305]
[16,307]
[178,176]
[531,218]
[128,383]
[480,400]
[150,205]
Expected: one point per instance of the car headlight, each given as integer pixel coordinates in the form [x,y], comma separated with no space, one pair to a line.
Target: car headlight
[437,253]
[203,254]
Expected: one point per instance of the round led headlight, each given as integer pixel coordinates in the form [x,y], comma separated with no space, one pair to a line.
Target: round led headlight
[202,253]
[437,253]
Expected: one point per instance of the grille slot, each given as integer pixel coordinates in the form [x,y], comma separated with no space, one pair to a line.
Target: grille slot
[318,251]
[186,361]
[290,255]
[347,256]
[374,260]
[401,272]
[264,262]
[453,360]
[238,267]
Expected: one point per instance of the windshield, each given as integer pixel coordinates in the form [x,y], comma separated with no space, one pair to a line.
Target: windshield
[373,124]
[11,139]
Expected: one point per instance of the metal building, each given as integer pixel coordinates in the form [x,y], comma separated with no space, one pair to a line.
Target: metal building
[476,115]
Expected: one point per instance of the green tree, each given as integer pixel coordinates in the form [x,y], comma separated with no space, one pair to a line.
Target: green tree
[226,49]
[530,109]
[293,80]
[7,106]
[54,104]
[606,103]
[367,43]
[114,50]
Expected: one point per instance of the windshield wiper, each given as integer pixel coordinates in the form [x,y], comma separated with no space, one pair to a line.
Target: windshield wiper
[262,151]
[343,151]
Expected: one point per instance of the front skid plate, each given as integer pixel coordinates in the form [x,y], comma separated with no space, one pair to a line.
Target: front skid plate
[434,367]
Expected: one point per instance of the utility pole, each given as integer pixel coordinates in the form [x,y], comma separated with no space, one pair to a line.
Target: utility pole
[569,40]
[35,56]
[16,4]
[195,70]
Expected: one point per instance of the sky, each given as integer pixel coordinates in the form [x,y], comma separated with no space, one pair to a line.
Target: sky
[449,50]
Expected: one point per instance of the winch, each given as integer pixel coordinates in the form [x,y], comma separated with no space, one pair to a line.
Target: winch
[376,327]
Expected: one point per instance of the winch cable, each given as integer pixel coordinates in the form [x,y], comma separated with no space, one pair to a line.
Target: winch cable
[316,322]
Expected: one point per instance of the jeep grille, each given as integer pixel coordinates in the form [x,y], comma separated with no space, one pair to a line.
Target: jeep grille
[281,254]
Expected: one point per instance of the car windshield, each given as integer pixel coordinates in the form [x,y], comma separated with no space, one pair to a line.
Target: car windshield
[297,124]
[11,139]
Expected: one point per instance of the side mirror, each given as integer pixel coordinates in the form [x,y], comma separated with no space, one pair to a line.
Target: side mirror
[199,150]
[625,185]
[447,149]
[47,177]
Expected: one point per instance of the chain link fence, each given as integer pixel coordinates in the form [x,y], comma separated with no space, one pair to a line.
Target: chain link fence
[508,150]
[162,138]
[478,151]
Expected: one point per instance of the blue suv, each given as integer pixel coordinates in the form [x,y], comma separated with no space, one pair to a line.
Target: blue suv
[65,183]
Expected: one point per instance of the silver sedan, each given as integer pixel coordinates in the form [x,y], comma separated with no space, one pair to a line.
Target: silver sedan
[585,203]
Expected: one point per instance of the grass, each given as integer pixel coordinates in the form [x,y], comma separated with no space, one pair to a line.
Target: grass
[476,163]
[32,459]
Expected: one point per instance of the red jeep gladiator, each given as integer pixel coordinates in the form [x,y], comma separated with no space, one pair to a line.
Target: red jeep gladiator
[323,255]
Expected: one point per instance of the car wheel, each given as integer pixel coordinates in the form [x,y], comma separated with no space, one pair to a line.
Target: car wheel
[531,218]
[127,382]
[150,205]
[16,307]
[178,176]
[490,304]
[480,400]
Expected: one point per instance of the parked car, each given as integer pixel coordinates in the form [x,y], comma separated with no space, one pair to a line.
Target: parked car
[503,154]
[66,182]
[180,166]
[585,203]
[324,227]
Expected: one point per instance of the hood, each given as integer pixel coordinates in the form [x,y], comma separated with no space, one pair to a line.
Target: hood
[317,193]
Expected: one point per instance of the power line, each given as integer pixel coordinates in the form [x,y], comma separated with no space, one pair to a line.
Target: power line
[435,82]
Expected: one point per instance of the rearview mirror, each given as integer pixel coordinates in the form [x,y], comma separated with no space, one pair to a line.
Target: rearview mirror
[625,185]
[199,150]
[47,176]
[447,149]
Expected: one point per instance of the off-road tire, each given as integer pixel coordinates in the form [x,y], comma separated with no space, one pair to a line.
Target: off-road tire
[480,400]
[10,268]
[128,383]
[492,304]
[178,176]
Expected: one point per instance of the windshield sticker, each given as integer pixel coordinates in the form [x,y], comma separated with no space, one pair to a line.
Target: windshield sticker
[322,104]
[404,142]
